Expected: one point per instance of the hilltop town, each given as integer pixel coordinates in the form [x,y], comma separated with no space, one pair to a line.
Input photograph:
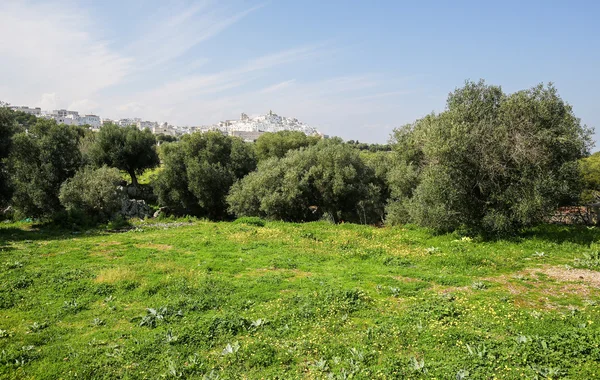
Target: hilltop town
[248,128]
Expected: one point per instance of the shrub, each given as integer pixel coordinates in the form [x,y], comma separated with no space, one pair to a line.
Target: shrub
[306,184]
[94,192]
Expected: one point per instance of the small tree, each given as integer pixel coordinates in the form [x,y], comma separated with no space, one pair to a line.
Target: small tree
[94,192]
[124,148]
[39,162]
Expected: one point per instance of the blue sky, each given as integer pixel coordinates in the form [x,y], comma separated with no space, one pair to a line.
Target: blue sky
[356,69]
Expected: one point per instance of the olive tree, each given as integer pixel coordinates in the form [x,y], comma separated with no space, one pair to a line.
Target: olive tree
[326,179]
[279,143]
[491,162]
[124,148]
[8,128]
[198,171]
[41,159]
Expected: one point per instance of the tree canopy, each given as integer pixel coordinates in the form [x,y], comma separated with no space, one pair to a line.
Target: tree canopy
[325,179]
[277,144]
[40,160]
[198,171]
[8,128]
[124,148]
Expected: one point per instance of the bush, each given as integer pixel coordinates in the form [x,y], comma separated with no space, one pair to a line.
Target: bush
[93,192]
[491,162]
[198,172]
[306,184]
[41,159]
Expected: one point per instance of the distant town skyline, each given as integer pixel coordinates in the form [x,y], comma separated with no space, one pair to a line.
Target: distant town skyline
[351,69]
[248,128]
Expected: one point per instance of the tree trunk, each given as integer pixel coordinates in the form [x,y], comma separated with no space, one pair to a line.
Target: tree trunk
[134,181]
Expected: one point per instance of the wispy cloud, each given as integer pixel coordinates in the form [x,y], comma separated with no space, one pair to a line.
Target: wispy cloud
[55,56]
[277,87]
[51,51]
[191,88]
[182,30]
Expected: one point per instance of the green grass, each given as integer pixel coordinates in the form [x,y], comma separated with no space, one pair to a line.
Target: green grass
[145,178]
[242,300]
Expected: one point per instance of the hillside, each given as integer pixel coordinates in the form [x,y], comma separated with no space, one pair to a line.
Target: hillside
[270,122]
[315,300]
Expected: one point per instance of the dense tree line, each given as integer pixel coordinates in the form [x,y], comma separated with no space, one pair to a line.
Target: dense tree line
[490,163]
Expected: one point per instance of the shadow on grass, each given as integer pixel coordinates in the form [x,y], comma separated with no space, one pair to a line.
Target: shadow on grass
[581,235]
[46,231]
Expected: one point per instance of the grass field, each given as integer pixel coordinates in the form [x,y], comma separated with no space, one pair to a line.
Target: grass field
[243,300]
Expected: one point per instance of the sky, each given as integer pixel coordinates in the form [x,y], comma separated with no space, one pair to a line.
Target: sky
[351,68]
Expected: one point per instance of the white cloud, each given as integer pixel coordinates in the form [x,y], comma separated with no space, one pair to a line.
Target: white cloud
[277,87]
[50,51]
[180,30]
[55,58]
[49,102]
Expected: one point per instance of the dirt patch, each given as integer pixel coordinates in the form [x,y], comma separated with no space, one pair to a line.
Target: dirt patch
[113,275]
[259,272]
[158,247]
[562,274]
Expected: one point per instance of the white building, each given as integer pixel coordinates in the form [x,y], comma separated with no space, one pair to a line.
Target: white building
[128,122]
[164,129]
[91,120]
[70,119]
[146,125]
[64,113]
[247,136]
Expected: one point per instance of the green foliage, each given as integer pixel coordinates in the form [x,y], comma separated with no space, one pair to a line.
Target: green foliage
[590,171]
[491,162]
[8,128]
[93,192]
[124,148]
[198,171]
[24,120]
[372,148]
[277,144]
[328,178]
[40,161]
[161,137]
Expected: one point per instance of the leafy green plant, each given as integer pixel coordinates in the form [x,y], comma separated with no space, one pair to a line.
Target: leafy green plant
[590,260]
